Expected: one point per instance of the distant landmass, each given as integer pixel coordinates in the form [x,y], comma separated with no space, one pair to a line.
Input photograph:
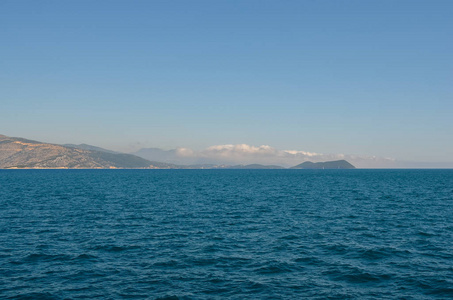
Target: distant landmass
[337,164]
[19,153]
[254,166]
[156,154]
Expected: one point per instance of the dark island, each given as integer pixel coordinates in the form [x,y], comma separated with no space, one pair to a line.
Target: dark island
[337,164]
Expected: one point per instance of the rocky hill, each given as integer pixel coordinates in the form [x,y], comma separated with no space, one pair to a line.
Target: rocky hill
[89,147]
[337,164]
[18,153]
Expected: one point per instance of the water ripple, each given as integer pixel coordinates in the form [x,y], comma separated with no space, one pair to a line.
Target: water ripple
[226,234]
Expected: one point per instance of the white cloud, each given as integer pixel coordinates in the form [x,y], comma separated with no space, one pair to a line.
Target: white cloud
[244,154]
[304,153]
[265,154]
[239,150]
[185,152]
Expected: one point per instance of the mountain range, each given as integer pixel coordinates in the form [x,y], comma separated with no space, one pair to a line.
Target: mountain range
[20,153]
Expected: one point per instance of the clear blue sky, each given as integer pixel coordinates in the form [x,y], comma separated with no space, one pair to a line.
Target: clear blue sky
[357,77]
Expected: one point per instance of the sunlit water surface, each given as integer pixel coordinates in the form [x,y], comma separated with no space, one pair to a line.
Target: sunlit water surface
[226,234]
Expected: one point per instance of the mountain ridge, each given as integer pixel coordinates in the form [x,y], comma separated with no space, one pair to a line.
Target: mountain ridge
[90,147]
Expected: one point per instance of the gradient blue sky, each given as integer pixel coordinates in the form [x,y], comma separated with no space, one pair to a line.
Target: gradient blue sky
[357,77]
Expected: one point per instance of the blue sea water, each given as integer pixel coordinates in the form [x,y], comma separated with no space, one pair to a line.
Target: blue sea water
[226,234]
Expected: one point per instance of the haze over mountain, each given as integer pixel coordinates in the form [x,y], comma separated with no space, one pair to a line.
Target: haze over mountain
[244,154]
[157,154]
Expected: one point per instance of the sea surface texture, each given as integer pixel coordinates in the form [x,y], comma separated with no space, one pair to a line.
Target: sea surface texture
[226,234]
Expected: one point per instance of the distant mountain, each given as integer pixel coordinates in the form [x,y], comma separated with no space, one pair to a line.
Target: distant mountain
[200,166]
[253,166]
[89,147]
[17,153]
[337,164]
[156,154]
[177,156]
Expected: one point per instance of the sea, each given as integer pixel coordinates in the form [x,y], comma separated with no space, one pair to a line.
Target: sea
[226,234]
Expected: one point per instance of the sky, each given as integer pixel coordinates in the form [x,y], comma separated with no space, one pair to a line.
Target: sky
[370,78]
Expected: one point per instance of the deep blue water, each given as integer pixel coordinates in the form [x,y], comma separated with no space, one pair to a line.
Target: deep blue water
[226,234]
